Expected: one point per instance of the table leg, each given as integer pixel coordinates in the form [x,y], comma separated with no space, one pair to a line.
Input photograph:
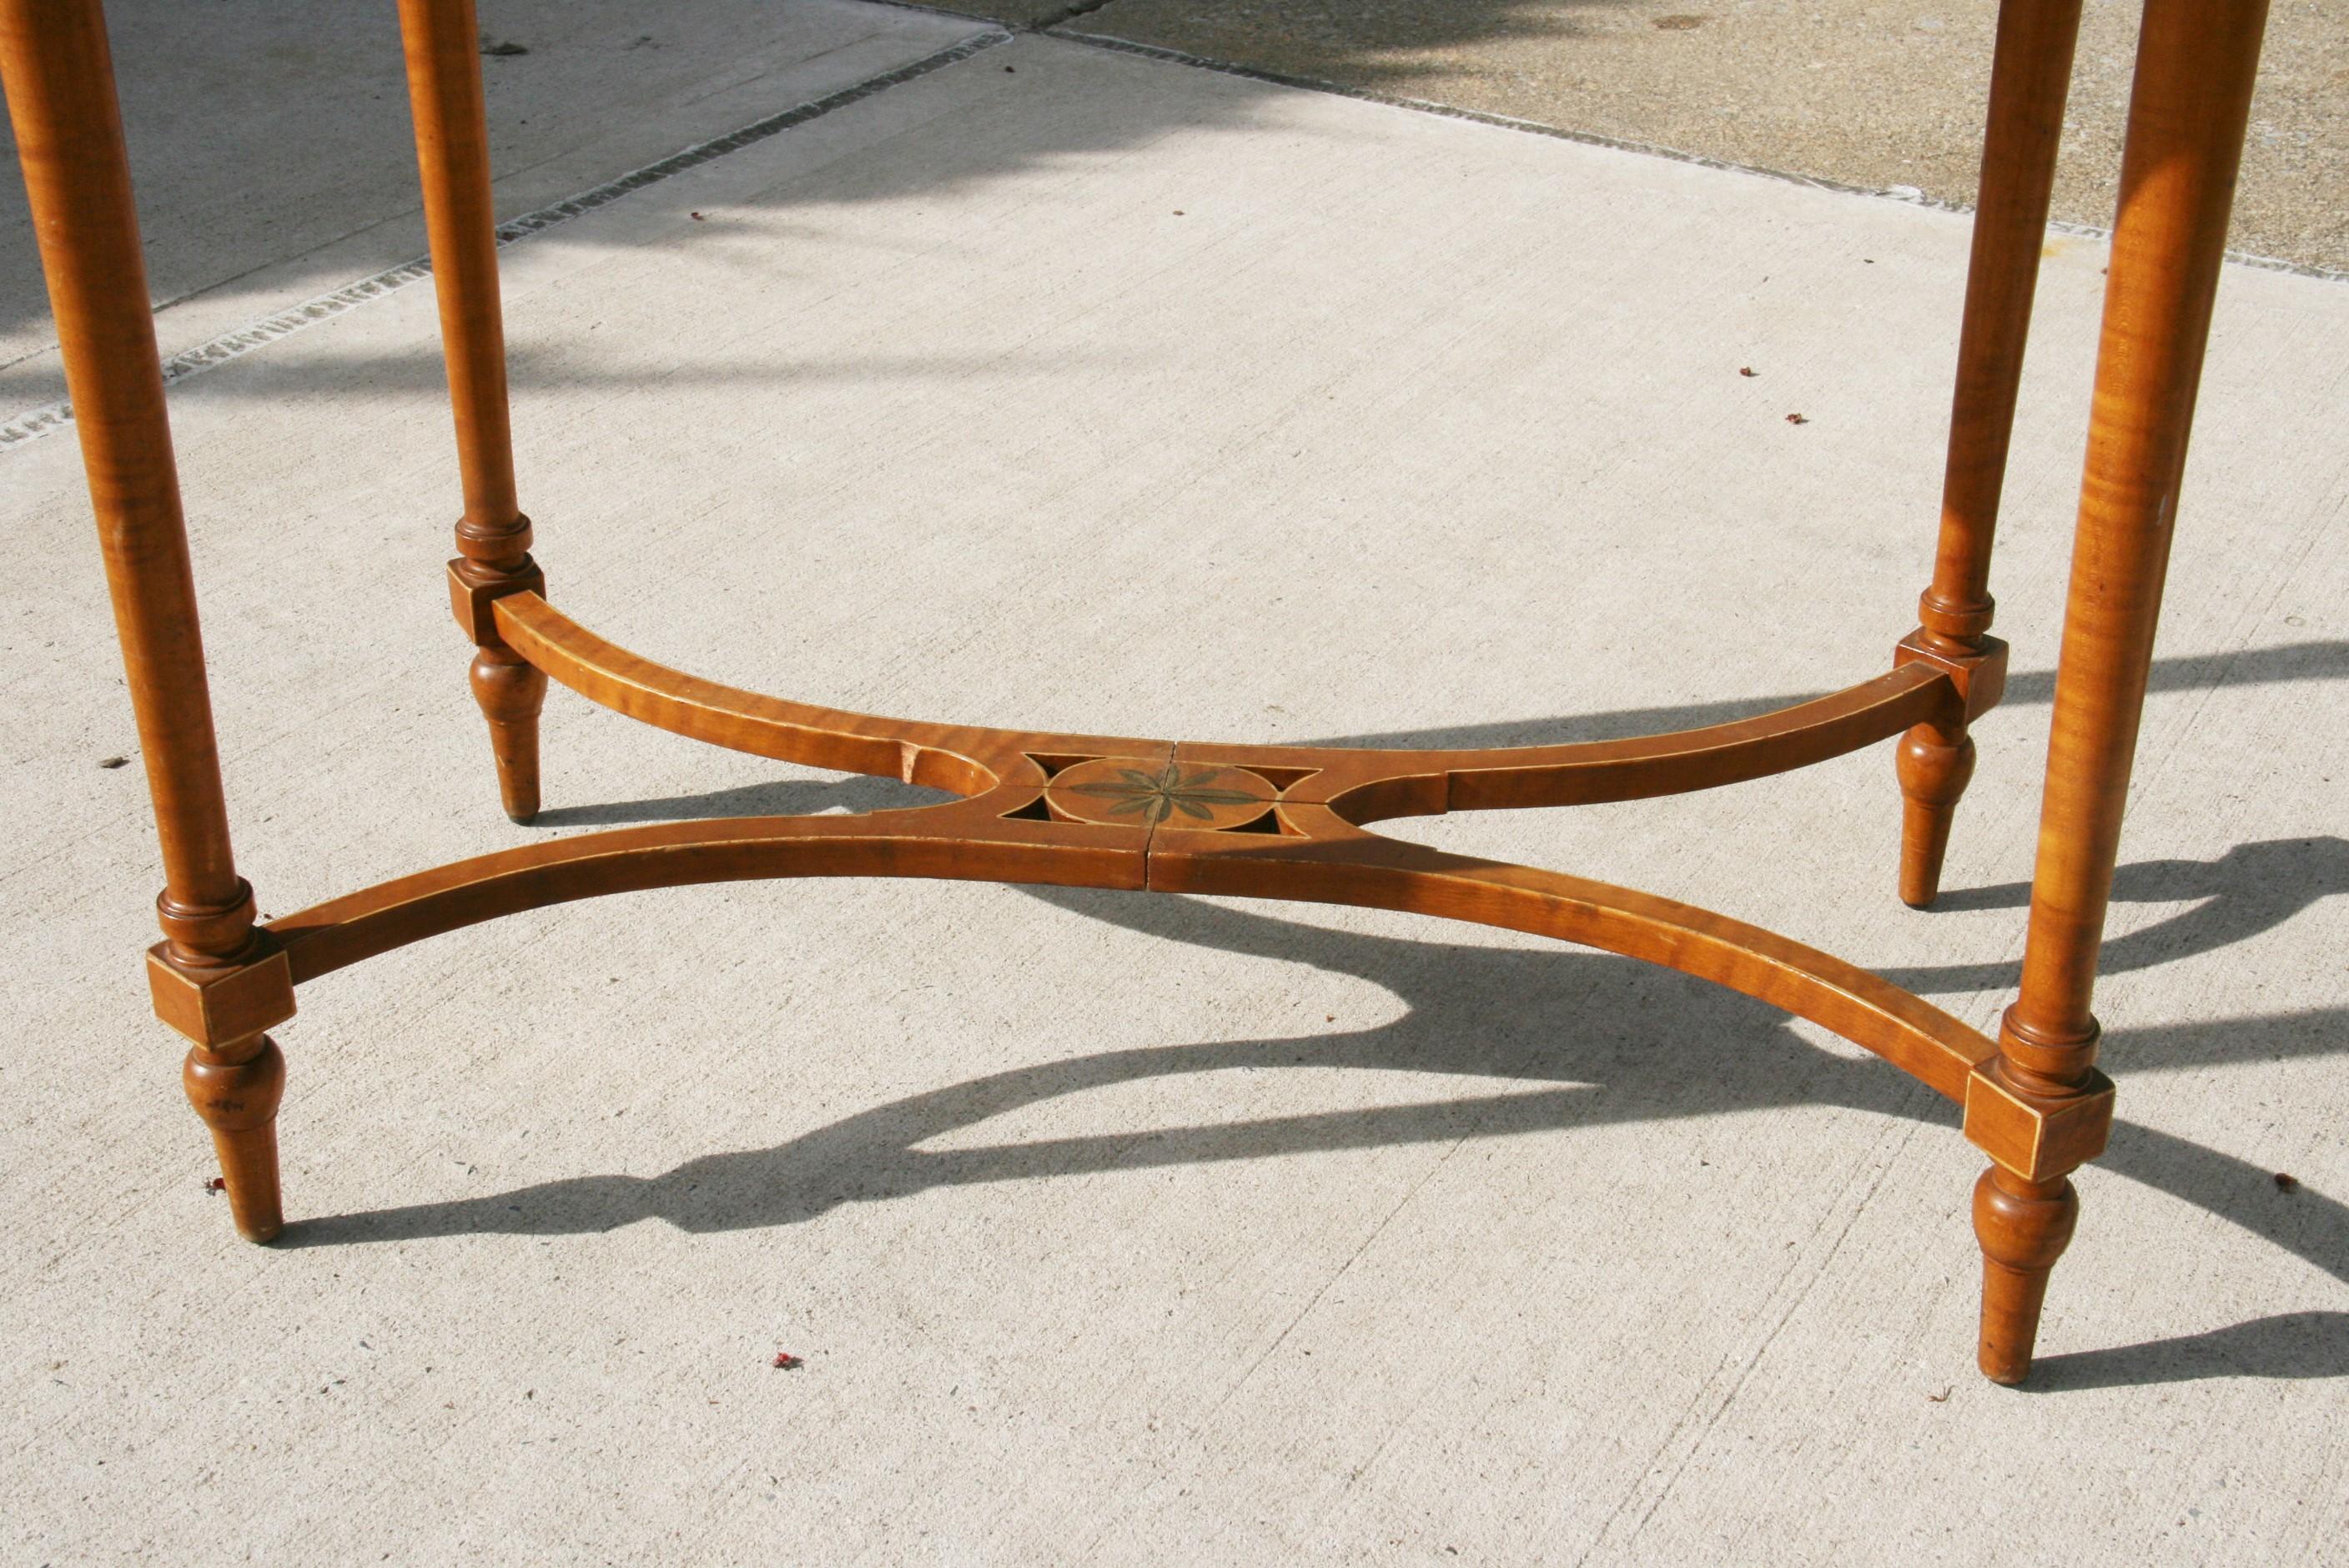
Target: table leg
[2195,64]
[2030,73]
[60,75]
[494,537]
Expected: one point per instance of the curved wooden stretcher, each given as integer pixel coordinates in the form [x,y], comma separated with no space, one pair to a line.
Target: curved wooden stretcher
[1275,821]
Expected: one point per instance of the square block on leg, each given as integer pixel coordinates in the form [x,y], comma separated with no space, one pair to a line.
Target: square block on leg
[2037,1139]
[214,1007]
[1980,678]
[473,604]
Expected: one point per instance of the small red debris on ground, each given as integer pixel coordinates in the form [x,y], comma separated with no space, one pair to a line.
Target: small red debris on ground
[2286,1182]
[787,1361]
[698,218]
[217,1184]
[1747,370]
[1797,419]
[1943,1397]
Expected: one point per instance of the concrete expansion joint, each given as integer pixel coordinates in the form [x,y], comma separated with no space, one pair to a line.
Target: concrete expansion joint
[1067,13]
[1907,196]
[34,423]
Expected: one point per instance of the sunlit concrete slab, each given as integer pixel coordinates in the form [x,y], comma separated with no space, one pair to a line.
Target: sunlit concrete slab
[270,141]
[1062,389]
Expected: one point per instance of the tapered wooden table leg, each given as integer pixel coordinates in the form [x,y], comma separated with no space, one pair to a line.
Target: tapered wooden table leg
[2196,62]
[494,536]
[236,1089]
[60,85]
[2030,73]
[511,692]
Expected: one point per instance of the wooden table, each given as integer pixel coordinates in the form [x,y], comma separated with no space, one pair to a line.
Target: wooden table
[1272,821]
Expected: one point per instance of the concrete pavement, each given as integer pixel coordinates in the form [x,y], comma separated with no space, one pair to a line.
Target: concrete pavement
[271,149]
[1873,93]
[1058,386]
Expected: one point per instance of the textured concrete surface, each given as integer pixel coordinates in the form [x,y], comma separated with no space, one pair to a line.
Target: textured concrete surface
[1873,93]
[1063,388]
[270,141]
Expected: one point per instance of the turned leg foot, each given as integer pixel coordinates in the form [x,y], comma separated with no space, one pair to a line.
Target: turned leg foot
[1934,767]
[511,691]
[2023,1227]
[236,1089]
